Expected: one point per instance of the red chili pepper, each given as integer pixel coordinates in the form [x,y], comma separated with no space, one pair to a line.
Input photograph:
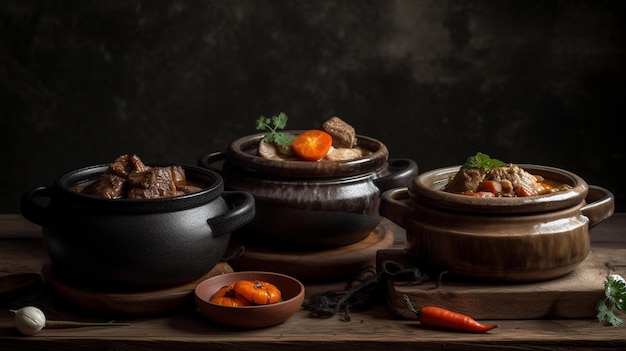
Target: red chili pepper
[438,317]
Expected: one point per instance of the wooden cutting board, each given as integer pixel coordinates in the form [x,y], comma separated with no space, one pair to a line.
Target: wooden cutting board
[574,295]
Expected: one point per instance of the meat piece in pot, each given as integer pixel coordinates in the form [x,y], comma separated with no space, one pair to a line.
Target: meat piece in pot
[107,185]
[507,181]
[523,183]
[124,165]
[128,177]
[344,135]
[152,183]
[178,175]
[343,154]
[466,179]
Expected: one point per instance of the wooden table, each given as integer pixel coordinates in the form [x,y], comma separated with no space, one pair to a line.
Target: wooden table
[373,329]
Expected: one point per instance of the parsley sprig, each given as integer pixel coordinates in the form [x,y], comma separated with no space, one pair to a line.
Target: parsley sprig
[483,161]
[272,125]
[615,297]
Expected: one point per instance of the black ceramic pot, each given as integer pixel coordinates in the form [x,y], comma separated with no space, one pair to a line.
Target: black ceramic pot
[310,205]
[130,244]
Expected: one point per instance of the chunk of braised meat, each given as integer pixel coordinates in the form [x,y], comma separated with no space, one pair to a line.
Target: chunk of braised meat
[107,185]
[522,182]
[128,177]
[124,165]
[154,182]
[507,181]
[465,180]
[267,149]
[343,154]
[178,175]
[344,135]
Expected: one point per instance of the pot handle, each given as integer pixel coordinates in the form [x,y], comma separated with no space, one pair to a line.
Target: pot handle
[600,205]
[242,211]
[207,161]
[398,173]
[394,205]
[33,205]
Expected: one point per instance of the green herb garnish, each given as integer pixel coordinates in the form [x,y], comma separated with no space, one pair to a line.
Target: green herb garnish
[272,125]
[483,161]
[615,292]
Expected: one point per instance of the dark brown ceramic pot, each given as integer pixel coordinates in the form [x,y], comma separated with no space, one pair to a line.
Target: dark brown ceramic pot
[303,204]
[136,244]
[519,239]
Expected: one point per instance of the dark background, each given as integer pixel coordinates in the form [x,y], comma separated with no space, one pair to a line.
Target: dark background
[82,82]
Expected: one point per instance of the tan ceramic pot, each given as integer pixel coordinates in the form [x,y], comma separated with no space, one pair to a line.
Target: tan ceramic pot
[498,239]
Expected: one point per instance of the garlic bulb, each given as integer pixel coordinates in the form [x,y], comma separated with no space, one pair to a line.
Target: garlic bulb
[29,320]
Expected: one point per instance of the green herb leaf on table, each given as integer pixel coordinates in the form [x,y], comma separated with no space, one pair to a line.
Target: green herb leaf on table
[615,292]
[272,125]
[483,161]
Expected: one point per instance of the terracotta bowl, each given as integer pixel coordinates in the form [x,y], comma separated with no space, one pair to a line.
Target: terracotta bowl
[256,316]
[307,204]
[498,239]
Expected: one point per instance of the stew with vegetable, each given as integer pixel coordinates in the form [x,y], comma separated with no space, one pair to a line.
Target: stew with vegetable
[334,141]
[483,176]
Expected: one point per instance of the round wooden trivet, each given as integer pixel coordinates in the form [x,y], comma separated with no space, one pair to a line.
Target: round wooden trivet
[141,303]
[323,265]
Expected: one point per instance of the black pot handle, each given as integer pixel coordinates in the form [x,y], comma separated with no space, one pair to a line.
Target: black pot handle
[208,161]
[242,211]
[34,205]
[398,174]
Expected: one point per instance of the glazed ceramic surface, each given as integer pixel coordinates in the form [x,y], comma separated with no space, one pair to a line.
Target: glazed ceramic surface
[527,239]
[136,243]
[253,316]
[310,204]
[427,189]
[243,153]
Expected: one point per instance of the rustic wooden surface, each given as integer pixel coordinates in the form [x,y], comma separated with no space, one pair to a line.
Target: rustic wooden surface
[372,329]
[574,295]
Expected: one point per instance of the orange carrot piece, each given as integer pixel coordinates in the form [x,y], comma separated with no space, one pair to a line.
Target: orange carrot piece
[312,145]
[522,191]
[491,186]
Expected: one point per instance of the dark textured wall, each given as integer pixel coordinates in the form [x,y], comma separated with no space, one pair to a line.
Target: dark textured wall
[524,81]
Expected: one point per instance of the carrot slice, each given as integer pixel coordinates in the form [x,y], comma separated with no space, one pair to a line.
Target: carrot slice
[522,191]
[490,186]
[312,145]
